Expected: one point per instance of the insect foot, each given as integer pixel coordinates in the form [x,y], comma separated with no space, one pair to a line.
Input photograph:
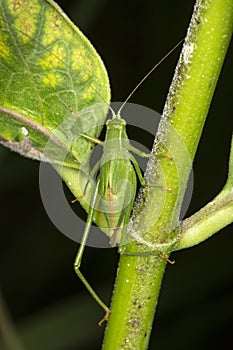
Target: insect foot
[105,318]
[93,293]
[166,257]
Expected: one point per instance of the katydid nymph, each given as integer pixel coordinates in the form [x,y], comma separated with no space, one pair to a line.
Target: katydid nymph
[116,184]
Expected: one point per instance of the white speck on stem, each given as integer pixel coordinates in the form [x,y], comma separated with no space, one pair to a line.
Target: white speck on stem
[24,131]
[187,52]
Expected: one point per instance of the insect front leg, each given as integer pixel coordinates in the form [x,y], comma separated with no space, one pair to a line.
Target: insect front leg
[77,262]
[93,139]
[139,173]
[139,152]
[150,155]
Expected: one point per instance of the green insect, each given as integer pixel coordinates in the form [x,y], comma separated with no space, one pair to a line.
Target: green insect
[116,185]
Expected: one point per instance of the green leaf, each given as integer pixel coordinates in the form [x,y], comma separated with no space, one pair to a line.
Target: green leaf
[54,85]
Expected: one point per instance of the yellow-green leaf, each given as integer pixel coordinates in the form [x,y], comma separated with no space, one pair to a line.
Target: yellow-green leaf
[54,85]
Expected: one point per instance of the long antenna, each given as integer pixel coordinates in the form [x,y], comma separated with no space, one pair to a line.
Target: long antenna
[146,76]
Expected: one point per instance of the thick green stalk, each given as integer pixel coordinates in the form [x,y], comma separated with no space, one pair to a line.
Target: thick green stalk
[156,213]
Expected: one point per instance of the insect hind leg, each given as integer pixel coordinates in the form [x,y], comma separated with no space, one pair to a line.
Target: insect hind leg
[77,262]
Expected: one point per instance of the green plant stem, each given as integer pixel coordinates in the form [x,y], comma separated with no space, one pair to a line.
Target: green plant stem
[207,221]
[139,276]
[211,218]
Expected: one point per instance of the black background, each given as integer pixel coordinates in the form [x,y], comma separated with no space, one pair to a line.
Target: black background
[48,304]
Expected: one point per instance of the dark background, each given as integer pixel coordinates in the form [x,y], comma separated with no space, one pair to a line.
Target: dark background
[49,306]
